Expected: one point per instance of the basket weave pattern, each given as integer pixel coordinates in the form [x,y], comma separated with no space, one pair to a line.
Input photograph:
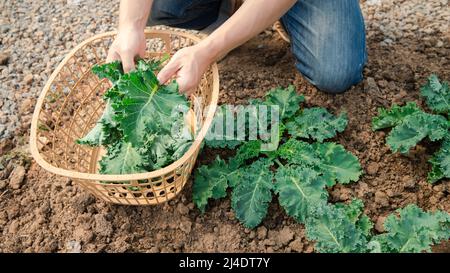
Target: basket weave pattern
[71,103]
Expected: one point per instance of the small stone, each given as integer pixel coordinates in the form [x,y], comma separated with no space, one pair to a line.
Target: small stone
[390,193]
[379,224]
[26,106]
[28,79]
[381,198]
[82,201]
[261,232]
[409,182]
[345,194]
[13,227]
[4,58]
[186,226]
[16,178]
[154,249]
[102,226]
[83,235]
[372,168]
[268,242]
[6,145]
[309,249]
[296,245]
[2,184]
[434,200]
[285,236]
[73,247]
[439,43]
[382,83]
[371,85]
[182,209]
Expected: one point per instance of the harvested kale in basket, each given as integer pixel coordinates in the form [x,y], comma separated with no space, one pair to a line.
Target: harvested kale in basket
[143,125]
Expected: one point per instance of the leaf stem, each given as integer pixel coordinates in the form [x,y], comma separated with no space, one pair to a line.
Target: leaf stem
[278,162]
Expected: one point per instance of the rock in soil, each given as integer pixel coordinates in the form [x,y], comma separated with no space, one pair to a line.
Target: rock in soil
[372,168]
[4,58]
[16,178]
[284,236]
[28,79]
[261,232]
[381,198]
[379,224]
[296,245]
[102,226]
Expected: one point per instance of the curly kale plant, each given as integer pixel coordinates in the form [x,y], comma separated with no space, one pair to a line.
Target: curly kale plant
[411,125]
[142,126]
[298,171]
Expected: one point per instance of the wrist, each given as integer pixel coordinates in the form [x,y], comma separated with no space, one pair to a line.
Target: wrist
[212,49]
[131,26]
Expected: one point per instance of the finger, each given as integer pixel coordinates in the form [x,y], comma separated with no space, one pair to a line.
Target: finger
[168,71]
[185,82]
[112,56]
[127,62]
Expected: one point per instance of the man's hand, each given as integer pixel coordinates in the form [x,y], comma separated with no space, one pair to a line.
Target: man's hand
[187,66]
[129,43]
[130,40]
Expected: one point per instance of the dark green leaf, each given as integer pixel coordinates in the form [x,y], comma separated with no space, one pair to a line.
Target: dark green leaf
[299,188]
[394,116]
[251,197]
[437,95]
[317,123]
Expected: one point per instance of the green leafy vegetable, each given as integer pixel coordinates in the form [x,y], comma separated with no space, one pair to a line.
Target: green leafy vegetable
[286,99]
[203,189]
[317,123]
[122,158]
[355,213]
[111,71]
[333,231]
[146,102]
[299,172]
[299,153]
[105,131]
[337,164]
[440,163]
[222,133]
[413,230]
[414,128]
[437,95]
[300,184]
[393,116]
[411,125]
[143,125]
[329,159]
[298,189]
[250,199]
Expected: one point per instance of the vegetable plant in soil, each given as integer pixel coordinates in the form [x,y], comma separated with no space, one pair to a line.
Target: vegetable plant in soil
[299,172]
[143,125]
[411,125]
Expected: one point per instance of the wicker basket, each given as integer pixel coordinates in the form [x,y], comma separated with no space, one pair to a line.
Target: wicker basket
[71,103]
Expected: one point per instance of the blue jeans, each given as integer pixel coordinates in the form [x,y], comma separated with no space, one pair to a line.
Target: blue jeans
[327,36]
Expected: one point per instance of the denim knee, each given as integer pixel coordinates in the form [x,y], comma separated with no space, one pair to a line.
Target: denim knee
[335,78]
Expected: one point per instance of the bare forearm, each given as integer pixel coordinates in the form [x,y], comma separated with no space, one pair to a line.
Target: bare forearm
[252,18]
[134,13]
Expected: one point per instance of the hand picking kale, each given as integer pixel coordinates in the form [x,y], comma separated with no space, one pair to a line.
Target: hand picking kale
[143,125]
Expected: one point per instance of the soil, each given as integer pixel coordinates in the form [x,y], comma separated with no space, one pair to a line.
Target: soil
[47,213]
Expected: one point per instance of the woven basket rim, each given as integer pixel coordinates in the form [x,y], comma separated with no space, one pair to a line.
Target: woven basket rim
[120,177]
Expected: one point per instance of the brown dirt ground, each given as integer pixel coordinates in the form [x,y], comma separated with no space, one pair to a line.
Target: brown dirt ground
[51,214]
